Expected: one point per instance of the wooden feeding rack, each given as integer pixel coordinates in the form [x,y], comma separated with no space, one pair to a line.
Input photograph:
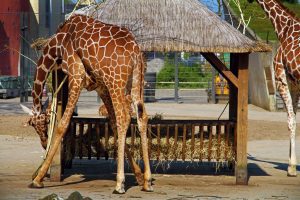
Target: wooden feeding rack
[197,140]
[237,77]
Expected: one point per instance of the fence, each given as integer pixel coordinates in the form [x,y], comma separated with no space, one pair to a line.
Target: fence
[170,78]
[199,140]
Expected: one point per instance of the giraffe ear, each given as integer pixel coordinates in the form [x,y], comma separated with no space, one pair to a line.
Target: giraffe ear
[45,105]
[26,110]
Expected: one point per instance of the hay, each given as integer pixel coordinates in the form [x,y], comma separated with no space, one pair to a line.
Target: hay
[40,43]
[167,152]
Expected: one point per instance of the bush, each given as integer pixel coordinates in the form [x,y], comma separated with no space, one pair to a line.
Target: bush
[190,76]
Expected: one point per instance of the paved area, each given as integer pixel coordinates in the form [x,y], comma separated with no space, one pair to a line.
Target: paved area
[167,109]
[20,155]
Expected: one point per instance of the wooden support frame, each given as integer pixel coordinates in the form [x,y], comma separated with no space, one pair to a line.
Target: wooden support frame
[238,109]
[56,167]
[237,78]
[221,68]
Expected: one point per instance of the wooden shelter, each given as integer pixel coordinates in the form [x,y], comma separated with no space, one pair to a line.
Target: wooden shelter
[176,25]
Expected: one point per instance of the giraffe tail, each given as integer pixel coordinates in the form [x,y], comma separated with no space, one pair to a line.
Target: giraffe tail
[138,83]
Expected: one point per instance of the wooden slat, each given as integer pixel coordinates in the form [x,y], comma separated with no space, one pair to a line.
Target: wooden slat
[192,141]
[227,132]
[132,139]
[81,126]
[106,136]
[99,141]
[175,142]
[184,142]
[168,141]
[89,143]
[209,128]
[201,131]
[73,142]
[115,145]
[219,141]
[158,141]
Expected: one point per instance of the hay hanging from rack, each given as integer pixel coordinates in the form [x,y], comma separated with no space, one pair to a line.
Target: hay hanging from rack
[219,151]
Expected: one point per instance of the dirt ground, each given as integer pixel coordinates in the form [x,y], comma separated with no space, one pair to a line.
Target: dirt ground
[20,155]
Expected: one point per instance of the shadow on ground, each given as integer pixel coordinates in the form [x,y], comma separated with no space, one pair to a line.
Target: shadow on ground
[102,169]
[277,165]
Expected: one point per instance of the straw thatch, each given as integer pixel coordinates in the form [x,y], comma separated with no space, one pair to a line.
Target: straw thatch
[173,25]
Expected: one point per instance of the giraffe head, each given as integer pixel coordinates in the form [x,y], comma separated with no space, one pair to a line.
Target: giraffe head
[39,121]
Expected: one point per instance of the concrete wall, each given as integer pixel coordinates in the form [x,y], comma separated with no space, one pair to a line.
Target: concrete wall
[262,90]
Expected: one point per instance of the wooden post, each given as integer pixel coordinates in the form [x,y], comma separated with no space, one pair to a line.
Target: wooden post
[239,111]
[176,81]
[56,165]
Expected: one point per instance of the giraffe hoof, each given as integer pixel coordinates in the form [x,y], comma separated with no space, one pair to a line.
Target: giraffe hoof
[292,171]
[36,184]
[147,187]
[119,191]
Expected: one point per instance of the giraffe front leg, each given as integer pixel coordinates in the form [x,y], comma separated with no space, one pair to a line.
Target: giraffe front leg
[61,130]
[75,78]
[283,89]
[292,168]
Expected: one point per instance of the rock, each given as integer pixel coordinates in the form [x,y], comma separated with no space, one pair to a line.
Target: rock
[52,197]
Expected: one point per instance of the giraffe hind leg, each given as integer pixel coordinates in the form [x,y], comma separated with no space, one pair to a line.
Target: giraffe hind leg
[142,120]
[108,110]
[122,122]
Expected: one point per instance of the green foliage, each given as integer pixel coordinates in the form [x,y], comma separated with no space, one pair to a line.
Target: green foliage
[190,76]
[260,23]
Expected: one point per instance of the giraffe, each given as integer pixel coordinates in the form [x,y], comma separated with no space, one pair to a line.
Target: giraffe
[286,66]
[101,57]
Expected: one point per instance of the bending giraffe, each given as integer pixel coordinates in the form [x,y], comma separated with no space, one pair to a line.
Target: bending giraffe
[286,66]
[100,57]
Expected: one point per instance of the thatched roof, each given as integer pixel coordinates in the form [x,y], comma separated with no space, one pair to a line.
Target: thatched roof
[173,25]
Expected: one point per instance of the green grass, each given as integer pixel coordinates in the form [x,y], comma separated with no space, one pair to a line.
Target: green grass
[194,76]
[260,23]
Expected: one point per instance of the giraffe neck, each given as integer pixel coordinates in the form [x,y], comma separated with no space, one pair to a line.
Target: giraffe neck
[51,54]
[279,16]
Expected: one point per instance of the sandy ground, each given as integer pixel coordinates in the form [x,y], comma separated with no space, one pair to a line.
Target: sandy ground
[20,155]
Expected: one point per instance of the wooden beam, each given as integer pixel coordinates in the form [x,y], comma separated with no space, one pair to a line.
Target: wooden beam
[56,167]
[233,94]
[221,68]
[240,67]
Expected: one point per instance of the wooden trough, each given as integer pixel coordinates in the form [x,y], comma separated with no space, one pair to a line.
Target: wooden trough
[197,140]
